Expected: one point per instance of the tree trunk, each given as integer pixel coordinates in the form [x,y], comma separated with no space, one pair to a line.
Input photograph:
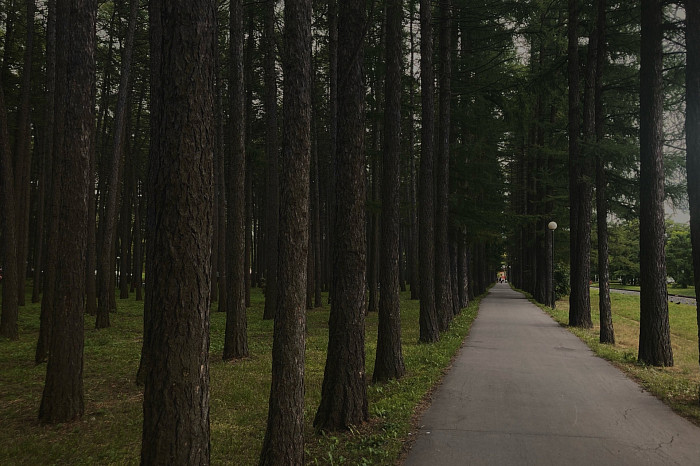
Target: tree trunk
[62,398]
[607,332]
[413,264]
[236,339]
[176,393]
[654,332]
[10,309]
[579,306]
[48,145]
[105,270]
[443,287]
[344,390]
[23,160]
[389,358]
[428,320]
[692,132]
[284,437]
[272,205]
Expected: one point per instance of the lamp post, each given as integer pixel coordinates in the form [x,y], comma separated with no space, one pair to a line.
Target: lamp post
[551,226]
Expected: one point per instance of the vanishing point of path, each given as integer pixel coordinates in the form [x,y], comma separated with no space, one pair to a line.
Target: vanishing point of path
[525,391]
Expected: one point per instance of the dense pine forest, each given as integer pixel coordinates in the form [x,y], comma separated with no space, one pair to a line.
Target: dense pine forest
[191,154]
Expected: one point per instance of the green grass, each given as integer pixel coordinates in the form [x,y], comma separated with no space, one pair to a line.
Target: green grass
[110,430]
[677,386]
[672,289]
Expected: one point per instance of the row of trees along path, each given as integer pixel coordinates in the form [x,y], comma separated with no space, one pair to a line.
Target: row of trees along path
[156,143]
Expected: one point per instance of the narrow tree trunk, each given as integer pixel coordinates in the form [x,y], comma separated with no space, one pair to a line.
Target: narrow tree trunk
[23,160]
[284,437]
[389,357]
[579,306]
[236,338]
[62,399]
[443,286]
[10,311]
[344,390]
[607,332]
[428,320]
[272,155]
[105,270]
[176,393]
[654,332]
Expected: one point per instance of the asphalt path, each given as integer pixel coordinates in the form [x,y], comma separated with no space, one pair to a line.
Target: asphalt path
[525,391]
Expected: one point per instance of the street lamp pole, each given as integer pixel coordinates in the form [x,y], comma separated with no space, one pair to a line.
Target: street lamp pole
[551,226]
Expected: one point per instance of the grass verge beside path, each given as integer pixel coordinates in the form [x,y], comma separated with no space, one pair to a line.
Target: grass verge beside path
[110,431]
[677,386]
[672,289]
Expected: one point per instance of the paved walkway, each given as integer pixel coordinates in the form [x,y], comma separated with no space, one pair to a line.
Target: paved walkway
[525,391]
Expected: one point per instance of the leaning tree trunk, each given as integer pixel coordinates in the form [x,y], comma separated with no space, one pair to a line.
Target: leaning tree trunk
[692,132]
[389,357]
[344,390]
[428,320]
[284,437]
[176,392]
[654,331]
[62,399]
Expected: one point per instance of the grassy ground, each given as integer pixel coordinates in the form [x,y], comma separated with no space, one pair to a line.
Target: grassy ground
[672,289]
[678,385]
[110,431]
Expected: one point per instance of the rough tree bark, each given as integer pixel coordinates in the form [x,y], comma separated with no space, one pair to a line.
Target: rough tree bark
[272,203]
[428,321]
[236,338]
[10,308]
[443,283]
[344,390]
[23,159]
[176,392]
[579,307]
[284,437]
[105,272]
[62,398]
[654,331]
[389,358]
[607,331]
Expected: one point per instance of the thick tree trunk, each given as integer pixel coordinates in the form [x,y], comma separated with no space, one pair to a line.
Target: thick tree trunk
[692,132]
[428,320]
[176,393]
[389,357]
[236,338]
[344,390]
[62,398]
[23,160]
[654,332]
[607,332]
[272,205]
[284,437]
